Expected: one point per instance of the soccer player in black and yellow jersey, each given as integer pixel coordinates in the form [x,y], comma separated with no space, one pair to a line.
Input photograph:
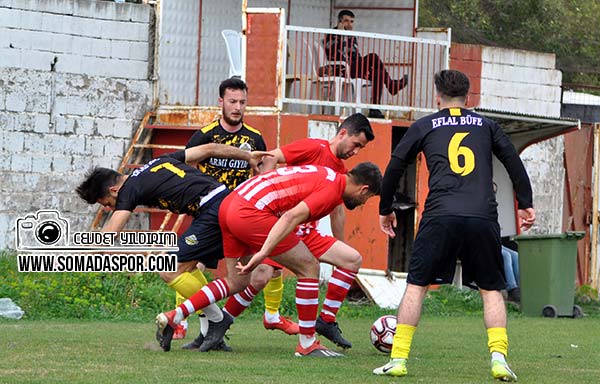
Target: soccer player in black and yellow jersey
[169,183]
[460,219]
[231,130]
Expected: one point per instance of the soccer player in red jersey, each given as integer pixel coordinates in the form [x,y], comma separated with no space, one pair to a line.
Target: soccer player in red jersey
[352,135]
[258,220]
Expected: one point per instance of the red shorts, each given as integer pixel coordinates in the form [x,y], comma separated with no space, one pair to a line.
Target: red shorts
[245,228]
[316,242]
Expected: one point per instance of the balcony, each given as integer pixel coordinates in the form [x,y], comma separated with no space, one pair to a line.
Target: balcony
[321,76]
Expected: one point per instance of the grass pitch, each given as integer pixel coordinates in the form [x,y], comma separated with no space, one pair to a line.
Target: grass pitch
[445,350]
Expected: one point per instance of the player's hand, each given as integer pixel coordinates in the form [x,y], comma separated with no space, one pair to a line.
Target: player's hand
[387,224]
[527,217]
[251,265]
[256,157]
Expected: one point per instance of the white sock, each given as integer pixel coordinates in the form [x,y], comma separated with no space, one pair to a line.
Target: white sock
[272,317]
[184,324]
[203,324]
[213,313]
[178,316]
[497,356]
[307,341]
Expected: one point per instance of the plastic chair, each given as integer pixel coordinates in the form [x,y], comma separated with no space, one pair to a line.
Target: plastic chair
[233,41]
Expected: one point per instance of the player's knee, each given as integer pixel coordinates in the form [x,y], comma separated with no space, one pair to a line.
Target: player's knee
[260,278]
[352,261]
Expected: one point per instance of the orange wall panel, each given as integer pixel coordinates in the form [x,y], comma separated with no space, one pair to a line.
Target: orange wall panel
[261,58]
[467,58]
[267,125]
[362,224]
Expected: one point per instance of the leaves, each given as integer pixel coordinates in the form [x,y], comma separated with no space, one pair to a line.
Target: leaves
[568,28]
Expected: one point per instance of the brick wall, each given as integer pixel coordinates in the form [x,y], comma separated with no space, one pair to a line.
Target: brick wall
[73,86]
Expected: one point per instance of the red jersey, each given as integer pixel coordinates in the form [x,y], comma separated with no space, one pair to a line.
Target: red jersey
[278,191]
[312,151]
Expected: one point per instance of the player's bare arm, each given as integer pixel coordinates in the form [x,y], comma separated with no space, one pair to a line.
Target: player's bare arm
[387,223]
[269,163]
[527,217]
[202,152]
[338,220]
[117,221]
[283,227]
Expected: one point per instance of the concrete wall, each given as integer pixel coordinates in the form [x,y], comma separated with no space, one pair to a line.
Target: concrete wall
[528,83]
[73,87]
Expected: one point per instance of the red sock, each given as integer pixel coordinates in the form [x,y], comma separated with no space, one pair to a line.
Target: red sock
[337,290]
[307,305]
[209,294]
[238,303]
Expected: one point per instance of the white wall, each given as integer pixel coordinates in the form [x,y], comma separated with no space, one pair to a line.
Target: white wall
[527,82]
[73,87]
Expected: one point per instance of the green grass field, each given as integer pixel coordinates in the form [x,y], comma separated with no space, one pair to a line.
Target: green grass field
[445,350]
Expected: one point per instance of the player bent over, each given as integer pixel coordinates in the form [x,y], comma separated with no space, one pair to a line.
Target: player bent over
[167,182]
[460,220]
[258,220]
[352,135]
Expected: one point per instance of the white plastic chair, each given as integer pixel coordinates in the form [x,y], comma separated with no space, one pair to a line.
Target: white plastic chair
[233,41]
[357,84]
[339,83]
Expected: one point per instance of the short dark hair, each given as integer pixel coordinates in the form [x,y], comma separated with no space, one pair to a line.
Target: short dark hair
[97,183]
[232,83]
[345,12]
[367,173]
[357,123]
[452,83]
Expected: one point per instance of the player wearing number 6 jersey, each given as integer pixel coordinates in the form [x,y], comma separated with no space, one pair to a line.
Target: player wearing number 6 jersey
[168,182]
[460,219]
[258,220]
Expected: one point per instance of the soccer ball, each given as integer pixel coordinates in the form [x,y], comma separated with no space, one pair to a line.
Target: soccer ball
[382,333]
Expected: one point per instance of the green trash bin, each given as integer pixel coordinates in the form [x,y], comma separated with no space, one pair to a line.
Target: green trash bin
[547,266]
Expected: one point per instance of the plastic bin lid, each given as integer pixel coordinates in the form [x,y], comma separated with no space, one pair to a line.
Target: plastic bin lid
[577,235]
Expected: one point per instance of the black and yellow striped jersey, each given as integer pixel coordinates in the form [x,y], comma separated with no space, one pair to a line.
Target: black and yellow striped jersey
[230,172]
[168,183]
[458,145]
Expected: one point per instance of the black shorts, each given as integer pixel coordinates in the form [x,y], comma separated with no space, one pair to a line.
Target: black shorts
[203,241]
[441,240]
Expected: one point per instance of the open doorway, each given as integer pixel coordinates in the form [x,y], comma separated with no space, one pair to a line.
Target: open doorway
[400,247]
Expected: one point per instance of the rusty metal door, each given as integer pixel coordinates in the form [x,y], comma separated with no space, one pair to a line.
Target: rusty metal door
[577,212]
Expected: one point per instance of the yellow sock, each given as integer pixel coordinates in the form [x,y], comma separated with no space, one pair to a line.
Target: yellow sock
[498,340]
[185,284]
[402,341]
[273,292]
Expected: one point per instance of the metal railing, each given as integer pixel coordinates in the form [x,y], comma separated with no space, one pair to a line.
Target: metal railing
[330,68]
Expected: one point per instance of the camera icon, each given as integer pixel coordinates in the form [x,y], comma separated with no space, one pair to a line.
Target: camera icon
[44,229]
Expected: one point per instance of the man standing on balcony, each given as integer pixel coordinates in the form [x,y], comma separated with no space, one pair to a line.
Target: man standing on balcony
[460,220]
[369,67]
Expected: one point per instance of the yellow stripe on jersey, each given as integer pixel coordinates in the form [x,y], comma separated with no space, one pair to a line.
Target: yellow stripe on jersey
[252,129]
[210,126]
[454,111]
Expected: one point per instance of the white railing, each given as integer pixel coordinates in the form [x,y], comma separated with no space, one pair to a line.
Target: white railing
[321,71]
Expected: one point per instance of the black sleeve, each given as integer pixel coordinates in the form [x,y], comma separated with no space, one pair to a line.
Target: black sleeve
[179,155]
[260,144]
[128,198]
[392,175]
[198,138]
[404,153]
[508,156]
